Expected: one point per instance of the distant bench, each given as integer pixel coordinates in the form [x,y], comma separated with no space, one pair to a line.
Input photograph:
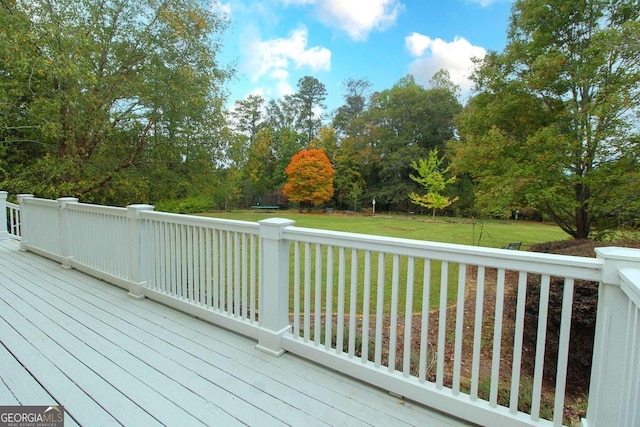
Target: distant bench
[265,208]
[515,246]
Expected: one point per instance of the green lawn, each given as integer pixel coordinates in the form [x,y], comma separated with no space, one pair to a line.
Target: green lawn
[488,233]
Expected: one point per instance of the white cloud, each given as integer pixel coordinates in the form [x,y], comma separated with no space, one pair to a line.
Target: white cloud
[355,17]
[269,63]
[283,87]
[273,90]
[436,54]
[276,55]
[279,74]
[417,43]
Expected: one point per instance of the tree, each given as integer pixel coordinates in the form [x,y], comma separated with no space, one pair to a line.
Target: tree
[327,140]
[283,113]
[355,104]
[247,116]
[405,122]
[310,101]
[260,166]
[442,80]
[354,157]
[282,117]
[431,176]
[554,125]
[351,163]
[310,179]
[92,96]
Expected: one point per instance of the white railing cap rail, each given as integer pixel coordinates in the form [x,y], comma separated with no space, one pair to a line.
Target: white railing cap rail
[532,262]
[201,221]
[89,207]
[39,201]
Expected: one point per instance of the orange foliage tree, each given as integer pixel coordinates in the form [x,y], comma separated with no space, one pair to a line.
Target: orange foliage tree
[310,179]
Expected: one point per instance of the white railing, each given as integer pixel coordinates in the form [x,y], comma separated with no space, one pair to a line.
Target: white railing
[421,319]
[43,233]
[614,392]
[5,224]
[13,220]
[369,305]
[630,402]
[204,263]
[630,397]
[99,241]
[10,226]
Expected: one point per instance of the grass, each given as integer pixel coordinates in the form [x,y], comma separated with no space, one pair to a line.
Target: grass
[488,233]
[415,304]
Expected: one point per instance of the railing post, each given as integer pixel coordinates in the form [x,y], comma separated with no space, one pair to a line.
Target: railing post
[137,247]
[274,281]
[24,227]
[606,393]
[65,230]
[4,219]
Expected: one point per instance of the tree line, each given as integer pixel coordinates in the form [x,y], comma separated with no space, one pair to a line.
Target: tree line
[115,101]
[370,140]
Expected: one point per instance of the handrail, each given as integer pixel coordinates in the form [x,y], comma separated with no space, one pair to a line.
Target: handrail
[200,221]
[99,209]
[533,262]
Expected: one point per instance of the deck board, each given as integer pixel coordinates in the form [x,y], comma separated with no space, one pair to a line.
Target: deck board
[134,380]
[110,359]
[17,386]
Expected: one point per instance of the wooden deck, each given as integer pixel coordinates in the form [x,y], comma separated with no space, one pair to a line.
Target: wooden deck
[72,340]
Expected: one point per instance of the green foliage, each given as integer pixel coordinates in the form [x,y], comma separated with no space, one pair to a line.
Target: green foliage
[431,177]
[525,396]
[401,123]
[189,205]
[326,140]
[259,169]
[345,120]
[247,116]
[310,96]
[226,188]
[553,127]
[351,167]
[91,101]
[368,143]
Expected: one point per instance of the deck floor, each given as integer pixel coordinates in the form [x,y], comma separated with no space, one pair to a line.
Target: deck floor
[69,339]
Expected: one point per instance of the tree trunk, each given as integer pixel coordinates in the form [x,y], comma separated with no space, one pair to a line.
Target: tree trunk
[583,227]
[582,220]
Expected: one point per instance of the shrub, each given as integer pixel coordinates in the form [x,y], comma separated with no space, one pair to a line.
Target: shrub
[185,206]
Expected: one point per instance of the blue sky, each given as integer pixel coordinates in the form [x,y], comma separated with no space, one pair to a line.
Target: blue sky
[273,43]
